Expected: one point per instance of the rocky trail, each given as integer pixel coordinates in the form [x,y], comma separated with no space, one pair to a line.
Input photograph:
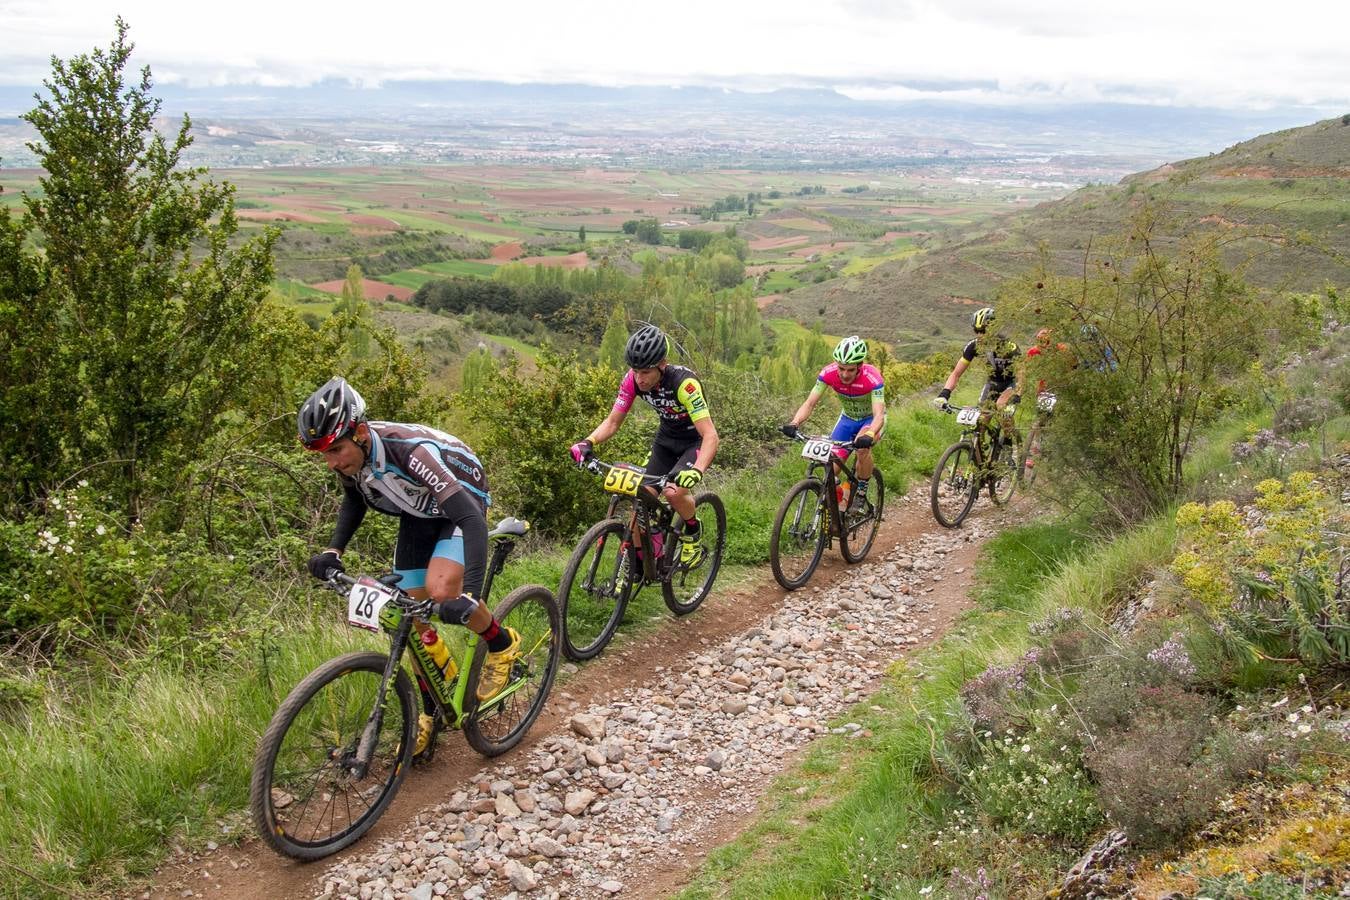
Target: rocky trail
[650,757]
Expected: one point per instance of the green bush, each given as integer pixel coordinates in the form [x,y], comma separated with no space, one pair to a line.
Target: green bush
[522,424]
[1271,587]
[1032,784]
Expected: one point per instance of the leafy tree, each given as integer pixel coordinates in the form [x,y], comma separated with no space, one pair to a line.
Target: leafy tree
[1158,331]
[581,234]
[156,300]
[693,239]
[631,226]
[521,425]
[648,231]
[614,340]
[36,385]
[479,367]
[352,302]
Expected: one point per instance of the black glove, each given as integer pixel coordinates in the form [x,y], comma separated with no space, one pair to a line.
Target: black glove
[863,441]
[945,393]
[1016,399]
[325,565]
[789,429]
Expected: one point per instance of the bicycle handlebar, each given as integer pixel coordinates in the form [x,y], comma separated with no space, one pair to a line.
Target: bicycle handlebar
[337,580]
[594,464]
[803,438]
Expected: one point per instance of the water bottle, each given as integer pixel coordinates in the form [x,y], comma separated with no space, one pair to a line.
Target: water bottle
[657,539]
[439,652]
[842,491]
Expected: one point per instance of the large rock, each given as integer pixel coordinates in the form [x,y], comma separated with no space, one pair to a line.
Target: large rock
[589,726]
[576,802]
[521,878]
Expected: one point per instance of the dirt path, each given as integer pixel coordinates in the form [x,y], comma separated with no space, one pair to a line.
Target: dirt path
[631,678]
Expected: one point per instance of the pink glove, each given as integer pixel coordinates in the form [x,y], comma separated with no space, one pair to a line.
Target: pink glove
[580,451]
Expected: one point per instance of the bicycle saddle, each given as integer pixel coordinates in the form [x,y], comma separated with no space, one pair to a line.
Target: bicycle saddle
[510,527]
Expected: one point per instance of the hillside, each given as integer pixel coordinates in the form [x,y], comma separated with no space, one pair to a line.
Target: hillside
[1288,189]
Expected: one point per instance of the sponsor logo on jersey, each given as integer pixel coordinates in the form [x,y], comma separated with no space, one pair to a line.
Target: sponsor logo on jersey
[437,481]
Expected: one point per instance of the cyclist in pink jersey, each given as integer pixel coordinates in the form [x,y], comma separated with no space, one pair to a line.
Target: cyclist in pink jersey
[860,388]
[686,440]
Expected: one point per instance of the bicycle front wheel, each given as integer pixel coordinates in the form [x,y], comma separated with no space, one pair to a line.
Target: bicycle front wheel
[1003,472]
[498,724]
[863,520]
[956,481]
[687,586]
[596,586]
[1027,466]
[799,533]
[310,795]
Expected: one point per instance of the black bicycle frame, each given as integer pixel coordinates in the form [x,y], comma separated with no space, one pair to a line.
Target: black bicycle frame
[648,512]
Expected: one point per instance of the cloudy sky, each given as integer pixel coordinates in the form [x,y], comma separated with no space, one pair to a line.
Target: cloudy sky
[1239,54]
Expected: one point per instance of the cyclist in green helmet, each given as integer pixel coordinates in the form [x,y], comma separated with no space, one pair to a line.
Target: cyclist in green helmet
[860,387]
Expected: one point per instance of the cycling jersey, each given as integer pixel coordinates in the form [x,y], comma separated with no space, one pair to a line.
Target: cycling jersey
[677,398]
[857,396]
[415,472]
[1000,358]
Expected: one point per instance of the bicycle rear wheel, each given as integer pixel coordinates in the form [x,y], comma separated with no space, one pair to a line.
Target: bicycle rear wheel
[862,522]
[800,531]
[307,794]
[1003,472]
[497,725]
[596,586]
[685,588]
[955,483]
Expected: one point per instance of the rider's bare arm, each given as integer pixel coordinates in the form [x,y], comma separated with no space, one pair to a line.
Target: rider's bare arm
[957,371]
[606,429]
[707,432]
[804,411]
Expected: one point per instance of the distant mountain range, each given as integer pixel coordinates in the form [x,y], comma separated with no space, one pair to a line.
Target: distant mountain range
[764,128]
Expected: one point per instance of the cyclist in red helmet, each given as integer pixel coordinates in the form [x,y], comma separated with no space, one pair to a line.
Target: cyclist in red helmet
[437,488]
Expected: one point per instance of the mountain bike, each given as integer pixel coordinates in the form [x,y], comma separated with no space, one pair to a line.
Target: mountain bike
[340,744]
[983,456]
[637,543]
[1031,449]
[810,516]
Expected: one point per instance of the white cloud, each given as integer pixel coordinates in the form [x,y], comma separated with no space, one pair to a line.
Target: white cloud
[1242,54]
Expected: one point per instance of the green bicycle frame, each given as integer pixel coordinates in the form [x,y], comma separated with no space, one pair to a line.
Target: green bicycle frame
[448,694]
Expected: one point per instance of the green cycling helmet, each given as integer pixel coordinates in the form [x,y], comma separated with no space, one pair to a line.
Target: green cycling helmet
[851,351]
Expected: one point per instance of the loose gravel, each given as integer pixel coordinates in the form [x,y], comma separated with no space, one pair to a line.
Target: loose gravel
[642,779]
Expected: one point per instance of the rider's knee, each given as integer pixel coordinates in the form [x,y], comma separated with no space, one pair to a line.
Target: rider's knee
[446,584]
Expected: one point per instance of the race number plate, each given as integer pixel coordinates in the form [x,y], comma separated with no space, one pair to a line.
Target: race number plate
[1045,402]
[968,415]
[817,450]
[365,601]
[623,481]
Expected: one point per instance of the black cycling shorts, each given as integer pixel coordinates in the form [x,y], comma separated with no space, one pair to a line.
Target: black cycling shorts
[666,459]
[992,389]
[418,541]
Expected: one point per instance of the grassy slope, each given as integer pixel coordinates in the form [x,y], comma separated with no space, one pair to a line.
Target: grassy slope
[1296,180]
[857,816]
